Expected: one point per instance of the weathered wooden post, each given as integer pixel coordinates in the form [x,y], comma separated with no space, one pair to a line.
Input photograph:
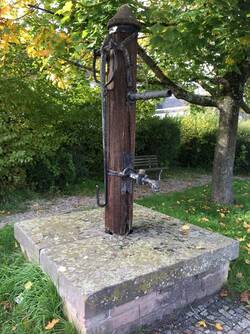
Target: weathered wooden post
[123,28]
[119,52]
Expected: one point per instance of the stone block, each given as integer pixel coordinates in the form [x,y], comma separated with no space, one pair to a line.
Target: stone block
[112,284]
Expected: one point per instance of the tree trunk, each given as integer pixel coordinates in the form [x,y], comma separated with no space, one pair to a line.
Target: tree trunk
[222,181]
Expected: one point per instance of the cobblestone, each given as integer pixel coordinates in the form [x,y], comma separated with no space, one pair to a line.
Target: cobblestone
[231,314]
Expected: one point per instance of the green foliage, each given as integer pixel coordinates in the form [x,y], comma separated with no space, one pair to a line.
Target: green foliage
[48,137]
[37,305]
[198,139]
[194,206]
[242,159]
[160,137]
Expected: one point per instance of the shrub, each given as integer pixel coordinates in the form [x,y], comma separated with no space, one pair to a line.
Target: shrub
[159,137]
[242,159]
[48,138]
[198,139]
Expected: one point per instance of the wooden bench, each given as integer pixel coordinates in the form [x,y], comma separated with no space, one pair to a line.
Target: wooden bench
[148,162]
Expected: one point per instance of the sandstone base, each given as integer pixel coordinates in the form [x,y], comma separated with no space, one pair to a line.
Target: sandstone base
[113,284]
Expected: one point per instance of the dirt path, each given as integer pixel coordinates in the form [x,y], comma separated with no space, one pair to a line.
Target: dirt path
[43,208]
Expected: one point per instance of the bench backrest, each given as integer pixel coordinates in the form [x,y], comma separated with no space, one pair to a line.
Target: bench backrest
[146,161]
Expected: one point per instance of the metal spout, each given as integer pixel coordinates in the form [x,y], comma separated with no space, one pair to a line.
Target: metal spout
[142,179]
[153,184]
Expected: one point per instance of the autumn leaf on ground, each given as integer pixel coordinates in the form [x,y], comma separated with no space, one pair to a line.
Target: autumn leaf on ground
[248,248]
[51,324]
[7,306]
[205,219]
[223,293]
[244,297]
[13,328]
[28,285]
[185,229]
[246,226]
[202,323]
[239,275]
[218,326]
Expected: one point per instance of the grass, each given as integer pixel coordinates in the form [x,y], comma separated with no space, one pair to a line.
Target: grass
[194,206]
[28,299]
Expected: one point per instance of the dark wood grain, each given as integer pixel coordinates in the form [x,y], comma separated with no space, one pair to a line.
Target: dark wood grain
[120,140]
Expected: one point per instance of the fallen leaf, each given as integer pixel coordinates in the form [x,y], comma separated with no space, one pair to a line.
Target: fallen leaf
[248,248]
[247,261]
[28,285]
[246,226]
[202,323]
[223,293]
[185,229]
[239,275]
[51,324]
[239,206]
[241,238]
[205,219]
[13,328]
[244,297]
[6,305]
[200,247]
[218,326]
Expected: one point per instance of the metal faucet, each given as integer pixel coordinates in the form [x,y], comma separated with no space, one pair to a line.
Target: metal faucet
[142,179]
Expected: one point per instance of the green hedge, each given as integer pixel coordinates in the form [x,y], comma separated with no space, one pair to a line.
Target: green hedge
[48,138]
[198,140]
[159,137]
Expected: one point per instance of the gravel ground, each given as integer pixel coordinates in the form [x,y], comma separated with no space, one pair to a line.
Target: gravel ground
[43,208]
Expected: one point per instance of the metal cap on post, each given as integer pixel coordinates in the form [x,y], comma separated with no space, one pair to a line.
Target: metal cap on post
[124,16]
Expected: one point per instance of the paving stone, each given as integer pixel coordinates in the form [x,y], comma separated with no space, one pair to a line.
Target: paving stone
[185,322]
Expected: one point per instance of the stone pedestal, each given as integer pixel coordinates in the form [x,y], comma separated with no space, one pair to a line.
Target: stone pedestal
[111,284]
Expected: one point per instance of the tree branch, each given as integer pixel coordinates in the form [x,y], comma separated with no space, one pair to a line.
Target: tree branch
[179,92]
[42,9]
[245,107]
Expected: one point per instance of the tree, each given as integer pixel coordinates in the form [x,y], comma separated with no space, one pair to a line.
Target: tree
[190,42]
[208,43]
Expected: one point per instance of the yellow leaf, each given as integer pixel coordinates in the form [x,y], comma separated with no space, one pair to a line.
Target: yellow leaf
[51,324]
[43,53]
[229,61]
[28,285]
[185,229]
[239,275]
[223,293]
[13,328]
[4,11]
[67,7]
[245,40]
[218,326]
[202,323]
[205,219]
